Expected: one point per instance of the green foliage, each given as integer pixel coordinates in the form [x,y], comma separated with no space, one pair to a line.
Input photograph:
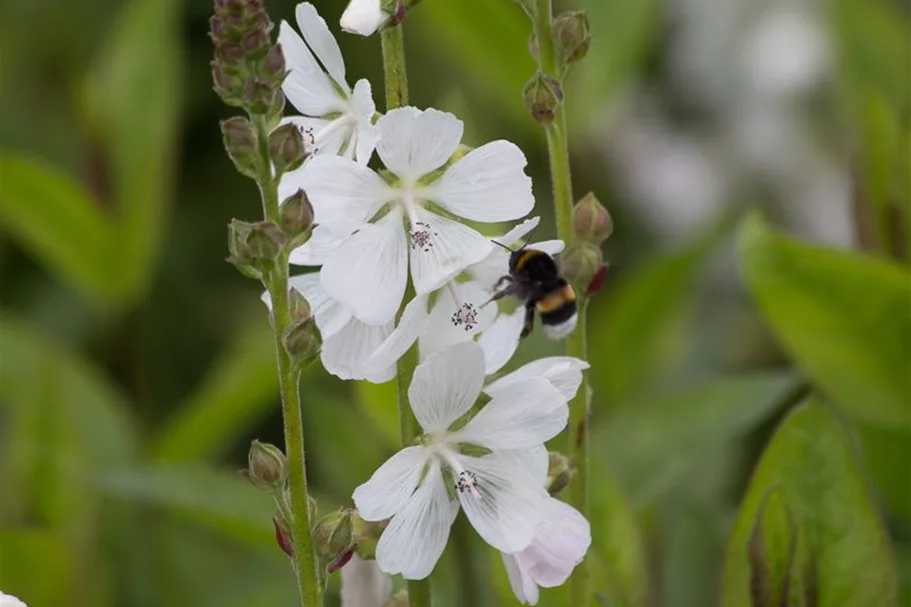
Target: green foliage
[842,316]
[808,518]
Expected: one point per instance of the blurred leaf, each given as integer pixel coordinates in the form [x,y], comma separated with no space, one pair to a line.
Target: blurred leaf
[772,552]
[638,315]
[809,461]
[132,99]
[219,500]
[842,316]
[55,219]
[651,446]
[379,403]
[25,552]
[240,389]
[886,456]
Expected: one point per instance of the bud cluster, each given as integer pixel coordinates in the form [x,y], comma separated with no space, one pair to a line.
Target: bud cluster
[543,96]
[582,262]
[571,35]
[248,69]
[255,247]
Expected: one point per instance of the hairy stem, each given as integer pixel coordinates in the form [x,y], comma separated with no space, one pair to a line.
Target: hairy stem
[576,346]
[397,96]
[304,560]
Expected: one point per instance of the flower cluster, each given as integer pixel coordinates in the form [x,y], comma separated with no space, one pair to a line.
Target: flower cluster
[397,258]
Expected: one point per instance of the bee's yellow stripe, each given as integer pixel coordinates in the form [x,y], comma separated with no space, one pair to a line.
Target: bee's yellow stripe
[525,256]
[556,299]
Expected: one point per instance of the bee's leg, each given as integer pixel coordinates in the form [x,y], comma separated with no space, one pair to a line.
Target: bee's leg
[507,280]
[529,319]
[499,293]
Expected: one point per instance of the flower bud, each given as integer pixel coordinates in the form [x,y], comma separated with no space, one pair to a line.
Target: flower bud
[543,95]
[580,263]
[597,281]
[364,17]
[283,535]
[559,472]
[366,535]
[286,147]
[266,467]
[591,221]
[258,95]
[254,247]
[300,309]
[255,43]
[571,35]
[227,84]
[296,216]
[302,341]
[239,140]
[333,536]
[272,67]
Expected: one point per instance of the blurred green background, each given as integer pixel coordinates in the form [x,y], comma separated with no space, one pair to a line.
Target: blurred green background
[136,365]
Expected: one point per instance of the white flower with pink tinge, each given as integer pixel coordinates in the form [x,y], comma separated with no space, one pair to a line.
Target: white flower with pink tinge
[409,216]
[363,17]
[364,584]
[422,487]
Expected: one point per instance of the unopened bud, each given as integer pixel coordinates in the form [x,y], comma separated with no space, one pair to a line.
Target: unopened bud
[286,147]
[266,467]
[255,44]
[296,217]
[254,247]
[302,341]
[559,472]
[571,35]
[283,535]
[258,95]
[228,84]
[366,535]
[300,309]
[240,142]
[543,96]
[333,536]
[273,66]
[597,281]
[580,262]
[591,221]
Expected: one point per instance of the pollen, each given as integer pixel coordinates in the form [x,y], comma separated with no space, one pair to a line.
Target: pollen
[422,236]
[465,317]
[468,482]
[309,139]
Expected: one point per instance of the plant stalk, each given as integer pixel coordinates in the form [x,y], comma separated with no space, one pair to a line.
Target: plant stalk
[576,343]
[393,44]
[304,559]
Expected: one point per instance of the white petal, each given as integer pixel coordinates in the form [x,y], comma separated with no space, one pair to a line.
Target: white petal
[412,323]
[368,271]
[449,248]
[318,37]
[8,600]
[345,353]
[392,485]
[562,538]
[563,372]
[519,232]
[508,505]
[487,184]
[364,584]
[310,129]
[493,267]
[501,340]
[523,587]
[363,17]
[343,193]
[529,413]
[551,247]
[307,86]
[414,142]
[446,385]
[563,329]
[533,460]
[368,134]
[415,538]
[331,317]
[315,251]
[458,315]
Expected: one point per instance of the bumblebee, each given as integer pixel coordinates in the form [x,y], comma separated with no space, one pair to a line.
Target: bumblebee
[535,278]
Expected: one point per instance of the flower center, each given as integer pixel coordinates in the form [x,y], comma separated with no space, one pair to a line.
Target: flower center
[466,317]
[315,139]
[422,236]
[468,482]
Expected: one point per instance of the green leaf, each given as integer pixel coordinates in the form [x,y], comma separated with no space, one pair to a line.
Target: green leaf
[379,402]
[842,316]
[54,218]
[241,388]
[772,551]
[809,461]
[132,103]
[651,446]
[25,552]
[218,500]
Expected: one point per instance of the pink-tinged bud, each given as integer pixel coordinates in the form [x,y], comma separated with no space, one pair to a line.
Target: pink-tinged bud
[273,66]
[580,263]
[283,535]
[255,44]
[543,96]
[333,536]
[286,147]
[341,561]
[366,535]
[571,35]
[254,247]
[296,217]
[597,281]
[239,139]
[302,341]
[559,472]
[591,221]
[267,467]
[300,309]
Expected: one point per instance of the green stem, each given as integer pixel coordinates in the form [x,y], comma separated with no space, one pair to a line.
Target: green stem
[304,560]
[397,96]
[576,344]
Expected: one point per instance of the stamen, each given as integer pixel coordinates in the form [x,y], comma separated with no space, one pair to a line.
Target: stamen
[422,236]
[468,481]
[466,316]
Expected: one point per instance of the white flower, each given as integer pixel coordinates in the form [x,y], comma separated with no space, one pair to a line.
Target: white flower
[364,584]
[561,539]
[336,119]
[368,271]
[562,372]
[462,311]
[363,17]
[7,600]
[502,492]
